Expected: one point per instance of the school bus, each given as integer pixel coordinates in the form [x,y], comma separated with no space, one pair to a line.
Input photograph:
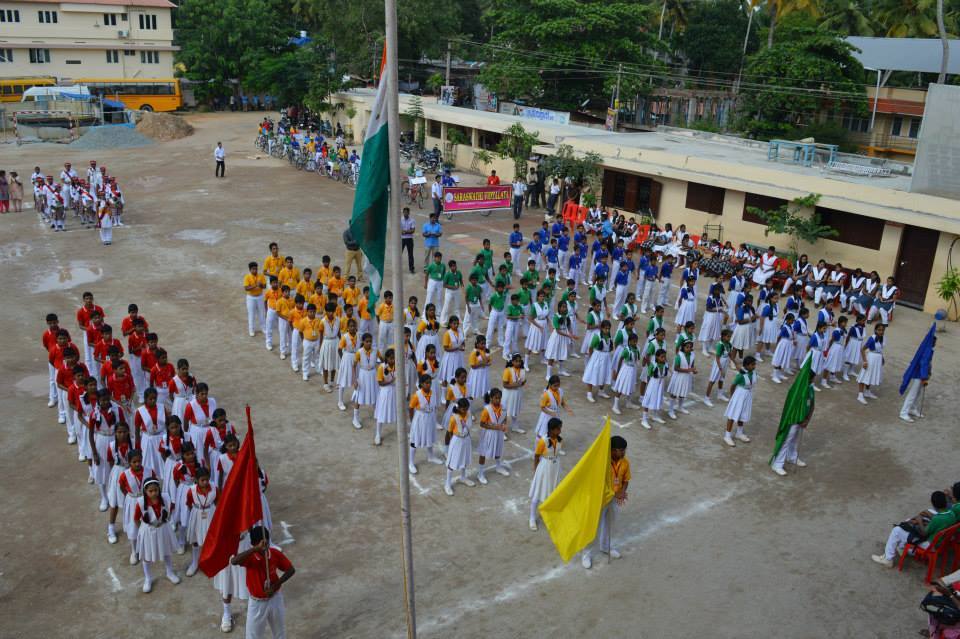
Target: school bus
[153,94]
[11,89]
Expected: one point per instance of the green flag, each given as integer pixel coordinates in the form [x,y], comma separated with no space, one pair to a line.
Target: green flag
[368,224]
[798,405]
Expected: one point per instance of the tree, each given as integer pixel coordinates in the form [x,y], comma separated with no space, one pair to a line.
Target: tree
[582,170]
[779,9]
[713,39]
[913,18]
[808,74]
[298,75]
[415,113]
[848,17]
[942,30]
[517,145]
[790,220]
[560,53]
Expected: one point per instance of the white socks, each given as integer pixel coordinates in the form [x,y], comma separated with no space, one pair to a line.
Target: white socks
[481,472]
[533,511]
[111,530]
[226,610]
[449,482]
[195,557]
[379,427]
[356,414]
[549,371]
[413,453]
[339,394]
[146,570]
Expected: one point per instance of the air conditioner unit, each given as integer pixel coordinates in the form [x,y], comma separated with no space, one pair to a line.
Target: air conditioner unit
[123,33]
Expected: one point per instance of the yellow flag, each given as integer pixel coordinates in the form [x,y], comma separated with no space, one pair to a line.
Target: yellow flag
[572,511]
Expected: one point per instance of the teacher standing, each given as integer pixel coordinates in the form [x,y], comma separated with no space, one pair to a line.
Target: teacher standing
[219,154]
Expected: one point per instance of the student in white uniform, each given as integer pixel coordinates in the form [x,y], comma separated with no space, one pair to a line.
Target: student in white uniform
[327,360]
[871,370]
[200,504]
[546,467]
[681,383]
[364,378]
[740,407]
[348,349]
[385,411]
[493,430]
[152,516]
[459,448]
[423,430]
[720,362]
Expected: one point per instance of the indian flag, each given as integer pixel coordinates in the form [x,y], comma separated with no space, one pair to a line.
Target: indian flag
[368,224]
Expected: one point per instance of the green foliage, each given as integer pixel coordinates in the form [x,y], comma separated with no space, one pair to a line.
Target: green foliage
[704,125]
[808,72]
[849,17]
[790,220]
[456,136]
[948,288]
[517,145]
[483,157]
[713,39]
[301,75]
[415,112]
[567,37]
[827,133]
[434,82]
[565,163]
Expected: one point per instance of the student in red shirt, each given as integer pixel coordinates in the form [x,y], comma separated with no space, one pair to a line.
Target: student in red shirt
[136,344]
[64,381]
[48,340]
[160,375]
[493,179]
[91,336]
[121,390]
[55,357]
[101,352]
[128,324]
[266,601]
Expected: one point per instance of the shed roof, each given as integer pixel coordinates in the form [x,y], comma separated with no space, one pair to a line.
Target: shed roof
[904,54]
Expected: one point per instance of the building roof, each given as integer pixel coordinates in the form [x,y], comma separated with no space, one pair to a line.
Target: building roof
[113,3]
[905,54]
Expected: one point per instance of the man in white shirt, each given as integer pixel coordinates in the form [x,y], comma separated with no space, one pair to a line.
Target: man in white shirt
[553,197]
[436,195]
[218,155]
[93,176]
[519,190]
[67,178]
[407,228]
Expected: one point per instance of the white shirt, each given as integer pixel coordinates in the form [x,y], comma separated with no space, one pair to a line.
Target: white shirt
[407,227]
[67,177]
[519,188]
[436,191]
[218,154]
[554,189]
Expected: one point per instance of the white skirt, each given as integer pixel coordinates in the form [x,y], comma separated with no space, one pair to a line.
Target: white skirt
[742,337]
[101,471]
[179,407]
[425,340]
[851,353]
[478,382]
[232,580]
[653,395]
[545,479]
[345,370]
[491,443]
[386,409]
[835,358]
[711,327]
[167,486]
[816,361]
[449,364]
[152,460]
[83,439]
[423,430]
[328,355]
[718,373]
[626,381]
[770,332]
[128,505]
[740,406]
[587,340]
[197,525]
[680,384]
[115,496]
[366,391]
[872,375]
[155,543]
[459,452]
[536,340]
[542,421]
[557,347]
[512,401]
[410,373]
[687,312]
[598,370]
[783,354]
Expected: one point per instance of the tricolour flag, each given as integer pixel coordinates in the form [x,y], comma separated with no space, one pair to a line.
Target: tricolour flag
[572,511]
[919,367]
[797,406]
[238,508]
[368,224]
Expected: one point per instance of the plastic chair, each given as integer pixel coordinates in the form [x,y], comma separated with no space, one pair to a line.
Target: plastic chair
[941,543]
[694,240]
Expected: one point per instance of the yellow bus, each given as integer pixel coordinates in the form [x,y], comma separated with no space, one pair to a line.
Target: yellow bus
[153,94]
[11,89]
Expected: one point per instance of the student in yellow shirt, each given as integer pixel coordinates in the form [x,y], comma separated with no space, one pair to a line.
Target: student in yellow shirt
[323,273]
[349,343]
[311,328]
[273,263]
[284,310]
[253,284]
[289,274]
[385,315]
[272,296]
[365,325]
[298,313]
[351,294]
[620,479]
[318,299]
[305,286]
[346,317]
[335,282]
[328,359]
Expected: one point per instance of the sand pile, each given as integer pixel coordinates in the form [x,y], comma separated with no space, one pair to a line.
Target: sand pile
[110,136]
[163,126]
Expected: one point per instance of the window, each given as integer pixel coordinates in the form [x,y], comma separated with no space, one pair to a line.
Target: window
[123,17]
[150,57]
[489,140]
[9,15]
[6,55]
[148,21]
[433,128]
[896,126]
[113,56]
[129,52]
[47,17]
[709,199]
[858,230]
[855,124]
[762,202]
[915,127]
[39,56]
[109,19]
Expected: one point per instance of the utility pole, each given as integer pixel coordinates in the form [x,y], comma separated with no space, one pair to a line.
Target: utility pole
[615,102]
[447,78]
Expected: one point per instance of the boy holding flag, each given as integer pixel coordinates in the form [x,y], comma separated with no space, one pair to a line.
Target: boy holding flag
[619,480]
[917,376]
[797,411]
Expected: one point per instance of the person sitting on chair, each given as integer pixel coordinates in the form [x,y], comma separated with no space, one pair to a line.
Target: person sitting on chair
[920,529]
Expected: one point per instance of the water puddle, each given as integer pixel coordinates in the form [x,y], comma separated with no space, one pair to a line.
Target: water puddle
[34,385]
[204,236]
[66,277]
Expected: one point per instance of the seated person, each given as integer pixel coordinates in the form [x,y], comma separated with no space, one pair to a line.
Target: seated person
[927,524]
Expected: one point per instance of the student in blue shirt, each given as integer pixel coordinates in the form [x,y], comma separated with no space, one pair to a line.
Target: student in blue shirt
[563,244]
[432,231]
[649,278]
[516,245]
[601,270]
[621,282]
[580,236]
[557,229]
[666,270]
[553,254]
[573,266]
[535,248]
[448,179]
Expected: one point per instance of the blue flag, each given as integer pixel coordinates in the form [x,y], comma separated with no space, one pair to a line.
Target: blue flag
[919,367]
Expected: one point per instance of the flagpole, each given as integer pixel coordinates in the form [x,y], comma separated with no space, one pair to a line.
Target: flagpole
[393,130]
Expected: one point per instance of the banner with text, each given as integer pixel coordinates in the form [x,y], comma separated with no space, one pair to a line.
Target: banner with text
[476,198]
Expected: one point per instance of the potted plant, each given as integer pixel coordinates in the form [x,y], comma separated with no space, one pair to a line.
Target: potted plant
[948,288]
[350,112]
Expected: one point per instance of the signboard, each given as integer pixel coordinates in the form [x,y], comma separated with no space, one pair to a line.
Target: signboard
[544,115]
[484,100]
[448,94]
[459,199]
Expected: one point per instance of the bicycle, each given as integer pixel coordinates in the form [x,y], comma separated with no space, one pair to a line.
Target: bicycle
[412,193]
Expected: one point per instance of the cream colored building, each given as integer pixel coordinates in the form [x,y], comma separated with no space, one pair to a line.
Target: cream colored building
[706,181]
[86,39]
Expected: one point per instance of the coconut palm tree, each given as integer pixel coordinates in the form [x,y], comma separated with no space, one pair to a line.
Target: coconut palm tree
[908,18]
[781,8]
[847,17]
[946,44]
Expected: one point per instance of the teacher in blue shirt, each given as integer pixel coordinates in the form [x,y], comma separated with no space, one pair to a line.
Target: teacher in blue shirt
[431,237]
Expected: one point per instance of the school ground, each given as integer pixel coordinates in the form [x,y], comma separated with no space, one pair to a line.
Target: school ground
[714,543]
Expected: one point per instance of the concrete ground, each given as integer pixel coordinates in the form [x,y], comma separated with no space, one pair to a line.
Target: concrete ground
[714,543]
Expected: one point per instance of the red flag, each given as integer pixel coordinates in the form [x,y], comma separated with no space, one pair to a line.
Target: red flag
[238,508]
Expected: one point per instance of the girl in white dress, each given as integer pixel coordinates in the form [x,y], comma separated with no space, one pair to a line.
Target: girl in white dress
[626,380]
[742,334]
[769,324]
[428,331]
[740,407]
[816,347]
[155,542]
[835,353]
[411,317]
[536,340]
[851,352]
[560,340]
[720,361]
[348,349]
[430,366]
[514,379]
[105,224]
[598,371]
[131,487]
[871,370]
[170,450]
[327,359]
[106,415]
[200,504]
[459,446]
[364,378]
[184,476]
[681,383]
[552,402]
[885,302]
[409,364]
[592,321]
[454,345]
[456,390]
[493,430]
[150,420]
[117,456]
[657,373]
[686,304]
[181,388]
[423,431]
[714,318]
[546,467]
[801,333]
[478,378]
[783,354]
[385,411]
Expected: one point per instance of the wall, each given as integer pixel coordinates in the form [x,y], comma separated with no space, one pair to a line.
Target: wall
[93,63]
[937,167]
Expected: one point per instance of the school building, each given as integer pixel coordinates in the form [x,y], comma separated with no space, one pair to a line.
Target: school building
[709,182]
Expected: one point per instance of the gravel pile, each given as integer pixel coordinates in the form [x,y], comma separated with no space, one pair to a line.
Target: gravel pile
[163,126]
[110,137]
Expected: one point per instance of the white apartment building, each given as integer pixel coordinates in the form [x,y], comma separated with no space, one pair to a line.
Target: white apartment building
[86,39]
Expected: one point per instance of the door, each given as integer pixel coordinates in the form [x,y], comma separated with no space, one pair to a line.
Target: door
[918,247]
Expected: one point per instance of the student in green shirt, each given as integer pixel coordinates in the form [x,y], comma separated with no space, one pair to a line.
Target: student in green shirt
[452,283]
[508,262]
[629,308]
[560,340]
[721,362]
[487,254]
[656,342]
[433,279]
[688,335]
[598,293]
[531,274]
[926,523]
[496,321]
[473,299]
[514,316]
[594,316]
[625,373]
[656,321]
[503,276]
[571,300]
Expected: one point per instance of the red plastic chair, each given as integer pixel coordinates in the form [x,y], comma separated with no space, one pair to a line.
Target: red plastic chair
[940,545]
[570,213]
